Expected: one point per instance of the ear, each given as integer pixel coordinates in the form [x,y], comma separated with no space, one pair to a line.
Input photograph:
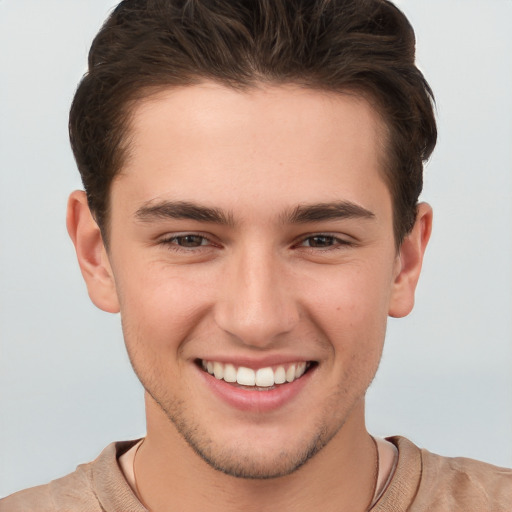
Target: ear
[409,263]
[91,253]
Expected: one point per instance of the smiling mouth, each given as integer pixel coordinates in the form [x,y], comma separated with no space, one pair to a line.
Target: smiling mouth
[262,379]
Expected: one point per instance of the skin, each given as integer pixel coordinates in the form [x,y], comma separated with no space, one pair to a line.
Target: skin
[257,286]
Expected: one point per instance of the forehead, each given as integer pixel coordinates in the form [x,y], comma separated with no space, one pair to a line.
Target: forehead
[285,142]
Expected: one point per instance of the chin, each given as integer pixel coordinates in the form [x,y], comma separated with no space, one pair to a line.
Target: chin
[257,452]
[249,462]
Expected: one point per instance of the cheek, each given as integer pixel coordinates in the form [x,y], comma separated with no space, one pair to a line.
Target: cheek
[159,306]
[351,303]
[357,288]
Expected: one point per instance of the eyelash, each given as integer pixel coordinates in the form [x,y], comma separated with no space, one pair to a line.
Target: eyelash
[334,242]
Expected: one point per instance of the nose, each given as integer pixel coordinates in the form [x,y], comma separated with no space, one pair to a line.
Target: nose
[257,305]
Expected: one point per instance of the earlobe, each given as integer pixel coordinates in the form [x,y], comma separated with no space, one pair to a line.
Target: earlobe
[411,255]
[91,253]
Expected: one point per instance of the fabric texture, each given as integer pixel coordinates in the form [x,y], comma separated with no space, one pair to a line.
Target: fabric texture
[422,482]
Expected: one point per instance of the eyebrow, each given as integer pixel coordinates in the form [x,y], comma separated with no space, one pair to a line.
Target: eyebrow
[337,210]
[183,210]
[302,214]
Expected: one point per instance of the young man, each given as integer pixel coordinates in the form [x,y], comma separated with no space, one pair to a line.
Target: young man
[252,172]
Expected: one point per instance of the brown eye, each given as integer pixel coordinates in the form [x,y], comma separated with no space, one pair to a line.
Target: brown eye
[320,241]
[190,240]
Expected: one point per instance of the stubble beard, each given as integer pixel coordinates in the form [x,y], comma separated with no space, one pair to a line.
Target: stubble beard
[235,461]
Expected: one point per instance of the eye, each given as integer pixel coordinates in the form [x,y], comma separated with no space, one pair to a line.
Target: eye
[186,241]
[323,241]
[190,240]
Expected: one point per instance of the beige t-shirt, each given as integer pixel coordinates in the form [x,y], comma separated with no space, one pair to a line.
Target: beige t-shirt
[422,482]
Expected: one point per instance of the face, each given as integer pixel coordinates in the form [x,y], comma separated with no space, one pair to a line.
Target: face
[253,261]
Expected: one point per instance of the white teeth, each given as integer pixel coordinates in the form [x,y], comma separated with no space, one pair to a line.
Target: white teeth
[299,371]
[262,378]
[229,373]
[280,375]
[290,373]
[218,370]
[265,377]
[245,376]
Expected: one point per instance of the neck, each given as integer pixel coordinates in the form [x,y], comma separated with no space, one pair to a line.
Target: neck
[171,476]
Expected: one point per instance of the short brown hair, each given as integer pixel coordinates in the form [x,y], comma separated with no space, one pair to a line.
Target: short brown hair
[366,46]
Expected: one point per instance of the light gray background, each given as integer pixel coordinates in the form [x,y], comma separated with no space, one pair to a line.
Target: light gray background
[66,387]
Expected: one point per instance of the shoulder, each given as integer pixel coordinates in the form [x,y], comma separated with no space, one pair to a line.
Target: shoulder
[456,484]
[466,483]
[91,488]
[67,493]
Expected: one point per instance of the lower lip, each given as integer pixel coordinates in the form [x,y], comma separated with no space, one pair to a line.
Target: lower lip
[253,400]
